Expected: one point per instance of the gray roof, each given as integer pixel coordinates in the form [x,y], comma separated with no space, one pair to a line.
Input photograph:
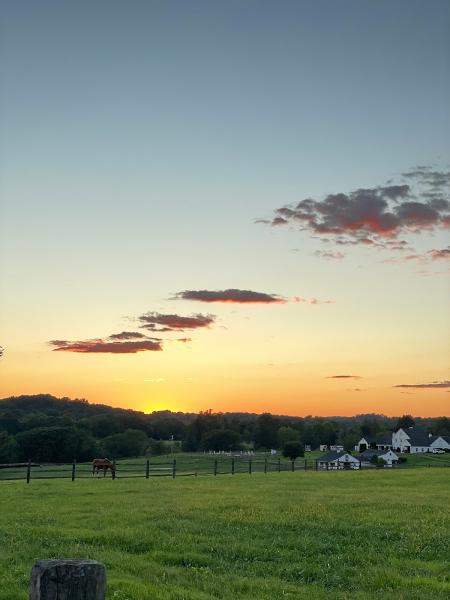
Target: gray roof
[367,454]
[417,436]
[384,440]
[330,456]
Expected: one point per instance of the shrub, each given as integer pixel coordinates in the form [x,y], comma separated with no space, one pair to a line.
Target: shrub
[293,450]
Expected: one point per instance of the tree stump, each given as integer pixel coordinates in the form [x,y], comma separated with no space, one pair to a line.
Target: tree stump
[68,579]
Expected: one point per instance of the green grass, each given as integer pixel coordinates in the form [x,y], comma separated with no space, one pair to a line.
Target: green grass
[304,535]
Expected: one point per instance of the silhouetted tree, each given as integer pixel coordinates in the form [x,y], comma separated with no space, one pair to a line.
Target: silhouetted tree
[404,422]
[293,450]
[221,439]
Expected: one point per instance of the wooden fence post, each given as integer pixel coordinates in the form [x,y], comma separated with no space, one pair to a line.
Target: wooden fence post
[306,466]
[62,579]
[113,472]
[249,466]
[147,469]
[29,470]
[174,468]
[232,466]
[215,466]
[74,466]
[279,465]
[265,465]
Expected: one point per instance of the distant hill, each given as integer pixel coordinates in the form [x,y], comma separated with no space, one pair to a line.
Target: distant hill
[45,428]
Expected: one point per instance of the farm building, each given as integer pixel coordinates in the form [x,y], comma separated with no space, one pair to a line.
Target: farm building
[412,439]
[338,460]
[367,442]
[440,442]
[388,456]
[384,442]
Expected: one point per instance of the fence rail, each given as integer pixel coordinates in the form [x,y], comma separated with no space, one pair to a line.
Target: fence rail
[183,466]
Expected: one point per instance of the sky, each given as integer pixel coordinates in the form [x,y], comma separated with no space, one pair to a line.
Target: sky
[236,205]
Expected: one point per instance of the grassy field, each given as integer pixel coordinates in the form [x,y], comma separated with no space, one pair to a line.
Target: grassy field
[307,535]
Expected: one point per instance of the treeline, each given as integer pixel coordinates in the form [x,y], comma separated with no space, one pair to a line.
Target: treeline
[49,429]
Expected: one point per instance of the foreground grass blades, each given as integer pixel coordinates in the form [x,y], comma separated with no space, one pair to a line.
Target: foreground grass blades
[302,535]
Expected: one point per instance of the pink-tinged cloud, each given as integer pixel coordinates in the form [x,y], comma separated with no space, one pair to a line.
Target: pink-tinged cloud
[432,385]
[184,340]
[343,377]
[374,216]
[300,300]
[104,346]
[155,321]
[231,296]
[426,257]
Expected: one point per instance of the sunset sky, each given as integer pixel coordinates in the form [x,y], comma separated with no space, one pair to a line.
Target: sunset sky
[237,205]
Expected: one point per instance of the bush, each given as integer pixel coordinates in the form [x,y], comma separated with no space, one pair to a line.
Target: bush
[293,450]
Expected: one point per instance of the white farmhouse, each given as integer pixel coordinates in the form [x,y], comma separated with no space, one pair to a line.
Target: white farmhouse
[411,439]
[389,457]
[440,442]
[338,460]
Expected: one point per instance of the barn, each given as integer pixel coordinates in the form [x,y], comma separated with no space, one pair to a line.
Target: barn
[337,460]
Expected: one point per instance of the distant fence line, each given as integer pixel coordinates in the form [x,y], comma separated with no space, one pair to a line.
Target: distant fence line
[184,467]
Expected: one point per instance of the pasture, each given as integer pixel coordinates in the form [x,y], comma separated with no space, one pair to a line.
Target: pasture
[282,535]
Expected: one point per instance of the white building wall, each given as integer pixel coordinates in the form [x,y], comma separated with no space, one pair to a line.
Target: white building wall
[439,444]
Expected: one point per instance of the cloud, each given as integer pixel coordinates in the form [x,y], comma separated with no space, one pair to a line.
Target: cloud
[427,257]
[329,255]
[184,340]
[231,296]
[155,321]
[343,377]
[300,300]
[127,335]
[432,385]
[373,216]
[105,346]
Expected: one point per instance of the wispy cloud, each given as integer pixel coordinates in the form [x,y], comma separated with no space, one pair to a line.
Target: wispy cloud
[343,377]
[427,257]
[300,300]
[432,385]
[329,254]
[231,296]
[155,321]
[127,335]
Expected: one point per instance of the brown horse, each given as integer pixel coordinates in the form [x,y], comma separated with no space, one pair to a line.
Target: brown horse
[102,464]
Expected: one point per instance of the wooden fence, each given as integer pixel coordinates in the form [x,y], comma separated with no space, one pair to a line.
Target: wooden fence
[171,467]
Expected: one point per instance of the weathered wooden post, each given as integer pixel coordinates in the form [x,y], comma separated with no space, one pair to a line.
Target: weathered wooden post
[68,579]
[215,466]
[113,472]
[174,468]
[249,466]
[306,465]
[265,465]
[147,469]
[279,465]
[74,466]
[292,465]
[232,466]
[29,470]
